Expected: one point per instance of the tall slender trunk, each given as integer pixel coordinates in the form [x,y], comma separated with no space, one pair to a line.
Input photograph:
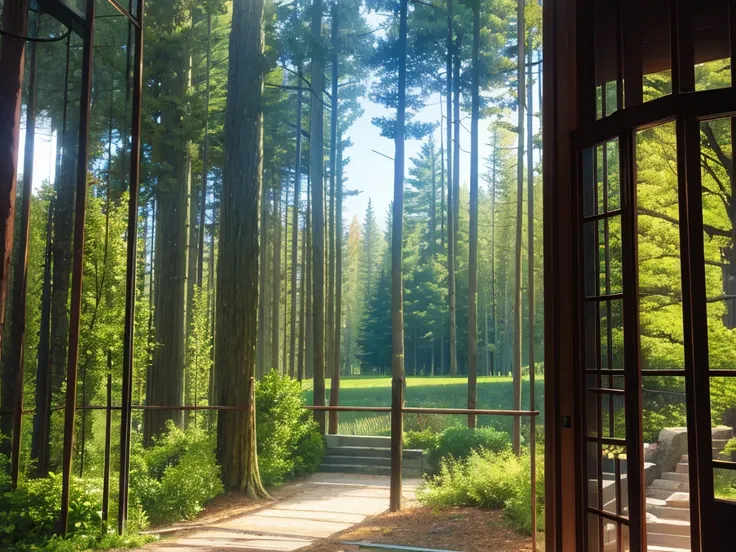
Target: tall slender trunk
[12,54]
[276,281]
[451,222]
[172,248]
[473,237]
[237,283]
[13,365]
[456,125]
[205,156]
[433,204]
[309,308]
[316,167]
[530,208]
[295,225]
[442,181]
[302,307]
[285,295]
[262,293]
[494,167]
[397,278]
[518,318]
[335,387]
[333,324]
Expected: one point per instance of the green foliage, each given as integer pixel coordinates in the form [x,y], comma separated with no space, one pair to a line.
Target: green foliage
[175,477]
[289,443]
[30,514]
[457,443]
[497,480]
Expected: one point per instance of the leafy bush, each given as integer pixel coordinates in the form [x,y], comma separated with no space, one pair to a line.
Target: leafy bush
[289,442]
[175,477]
[30,513]
[489,480]
[456,442]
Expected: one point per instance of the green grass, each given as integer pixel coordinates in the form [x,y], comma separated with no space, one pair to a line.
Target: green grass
[438,392]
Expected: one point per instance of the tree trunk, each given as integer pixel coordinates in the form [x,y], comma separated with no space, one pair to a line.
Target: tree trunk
[530,208]
[172,263]
[237,283]
[12,53]
[316,168]
[263,259]
[473,237]
[442,182]
[13,365]
[276,281]
[335,387]
[309,308]
[433,204]
[302,307]
[452,169]
[205,157]
[456,166]
[295,224]
[285,275]
[494,352]
[333,324]
[518,318]
[397,277]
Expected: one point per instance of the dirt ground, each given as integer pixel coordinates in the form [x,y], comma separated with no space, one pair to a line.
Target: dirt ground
[457,529]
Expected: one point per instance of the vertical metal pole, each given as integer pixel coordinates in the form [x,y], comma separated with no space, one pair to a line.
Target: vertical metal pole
[135,156]
[78,264]
[108,420]
[18,333]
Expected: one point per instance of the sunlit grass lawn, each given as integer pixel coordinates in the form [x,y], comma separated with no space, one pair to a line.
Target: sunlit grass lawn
[441,392]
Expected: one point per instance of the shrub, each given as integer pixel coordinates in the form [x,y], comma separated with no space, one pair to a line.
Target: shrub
[289,442]
[173,479]
[30,513]
[497,480]
[456,442]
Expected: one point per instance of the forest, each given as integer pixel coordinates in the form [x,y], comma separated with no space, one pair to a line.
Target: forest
[270,240]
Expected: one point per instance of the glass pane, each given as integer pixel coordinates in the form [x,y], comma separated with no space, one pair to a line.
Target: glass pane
[718,242]
[666,467]
[607,47]
[593,468]
[594,533]
[723,417]
[711,45]
[724,484]
[660,284]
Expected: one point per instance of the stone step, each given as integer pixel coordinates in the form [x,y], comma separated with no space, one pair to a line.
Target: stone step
[683,468]
[670,485]
[408,463]
[364,452]
[679,500]
[334,441]
[662,494]
[667,512]
[722,432]
[668,540]
[671,526]
[674,476]
[367,470]
[684,458]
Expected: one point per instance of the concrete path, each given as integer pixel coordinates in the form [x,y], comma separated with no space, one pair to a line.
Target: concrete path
[325,504]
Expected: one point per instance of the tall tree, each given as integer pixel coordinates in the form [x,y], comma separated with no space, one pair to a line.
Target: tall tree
[276,281]
[295,221]
[316,168]
[12,53]
[473,249]
[518,315]
[172,223]
[397,278]
[237,283]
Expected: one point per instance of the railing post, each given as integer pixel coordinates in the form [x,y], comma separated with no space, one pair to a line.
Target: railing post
[108,417]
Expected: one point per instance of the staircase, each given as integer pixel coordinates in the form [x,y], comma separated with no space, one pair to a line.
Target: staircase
[668,511]
[368,456]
